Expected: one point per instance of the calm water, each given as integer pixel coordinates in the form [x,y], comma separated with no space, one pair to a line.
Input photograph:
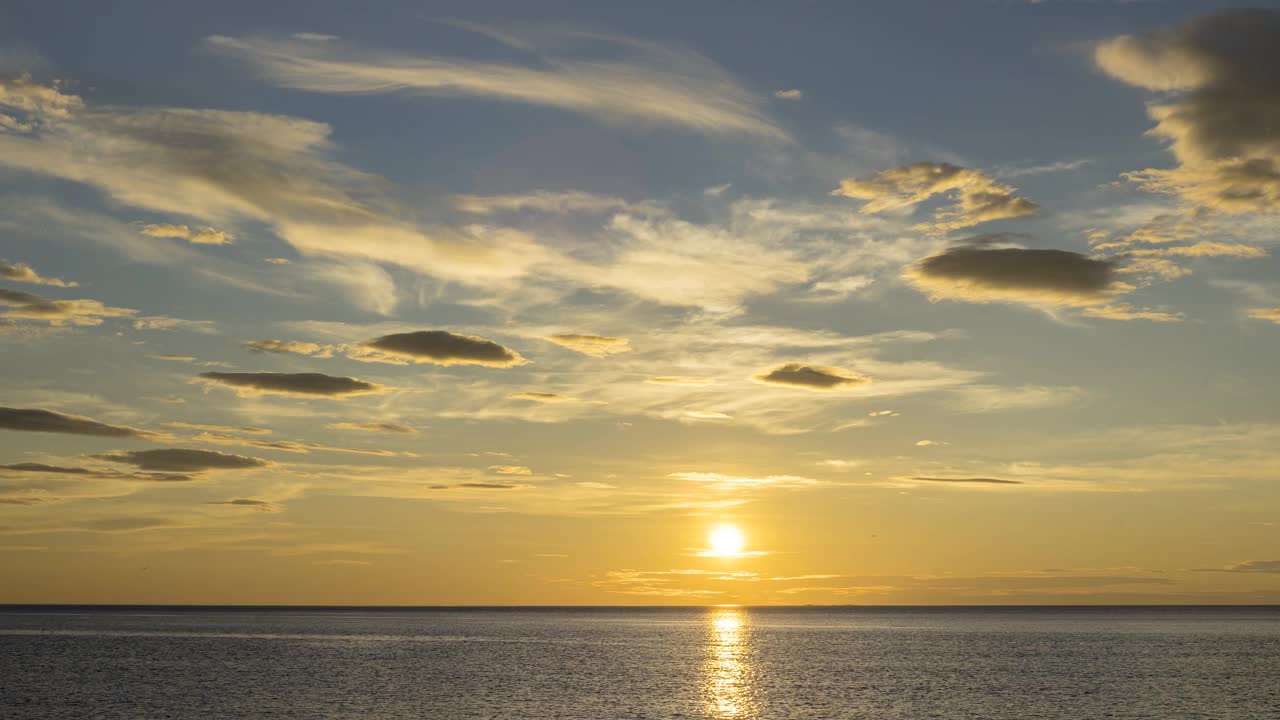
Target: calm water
[543,664]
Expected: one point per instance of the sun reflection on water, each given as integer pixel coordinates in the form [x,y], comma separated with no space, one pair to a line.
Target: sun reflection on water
[728,671]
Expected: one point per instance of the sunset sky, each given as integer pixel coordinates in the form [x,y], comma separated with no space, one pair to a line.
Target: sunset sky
[439,303]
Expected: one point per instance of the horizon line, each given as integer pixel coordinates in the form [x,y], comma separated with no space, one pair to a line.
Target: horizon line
[809,606]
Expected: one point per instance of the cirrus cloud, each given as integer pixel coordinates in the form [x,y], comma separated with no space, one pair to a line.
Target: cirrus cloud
[651,85]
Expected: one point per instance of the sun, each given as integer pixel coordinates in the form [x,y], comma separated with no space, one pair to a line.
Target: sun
[726,541]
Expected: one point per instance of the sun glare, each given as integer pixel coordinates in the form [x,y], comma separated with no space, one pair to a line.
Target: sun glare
[727,541]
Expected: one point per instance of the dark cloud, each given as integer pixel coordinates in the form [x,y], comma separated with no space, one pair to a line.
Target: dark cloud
[541,397]
[1219,107]
[976,272]
[28,306]
[182,460]
[261,505]
[811,377]
[1248,566]
[42,468]
[292,383]
[970,480]
[488,486]
[48,421]
[441,348]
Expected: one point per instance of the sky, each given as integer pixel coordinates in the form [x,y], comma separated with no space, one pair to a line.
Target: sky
[575,303]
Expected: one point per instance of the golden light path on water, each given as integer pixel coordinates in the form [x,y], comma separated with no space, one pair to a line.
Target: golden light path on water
[729,671]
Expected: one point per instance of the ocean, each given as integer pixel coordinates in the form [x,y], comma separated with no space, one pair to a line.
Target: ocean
[144,663]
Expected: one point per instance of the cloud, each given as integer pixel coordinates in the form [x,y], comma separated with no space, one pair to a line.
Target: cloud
[593,345]
[1122,311]
[510,470]
[48,421]
[840,465]
[969,481]
[30,467]
[988,398]
[386,427]
[721,481]
[653,86]
[25,106]
[19,272]
[1248,566]
[161,322]
[290,446]
[674,262]
[978,198]
[489,486]
[218,428]
[65,486]
[541,397]
[205,236]
[1053,167]
[27,306]
[707,415]
[811,377]
[308,384]
[439,347]
[680,380]
[540,201]
[1218,106]
[182,460]
[290,346]
[225,167]
[1202,249]
[792,94]
[1272,314]
[126,524]
[978,273]
[260,505]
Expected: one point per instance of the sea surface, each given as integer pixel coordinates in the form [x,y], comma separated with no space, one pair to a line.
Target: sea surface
[599,664]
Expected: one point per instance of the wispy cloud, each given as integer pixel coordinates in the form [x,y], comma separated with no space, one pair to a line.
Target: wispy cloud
[629,82]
